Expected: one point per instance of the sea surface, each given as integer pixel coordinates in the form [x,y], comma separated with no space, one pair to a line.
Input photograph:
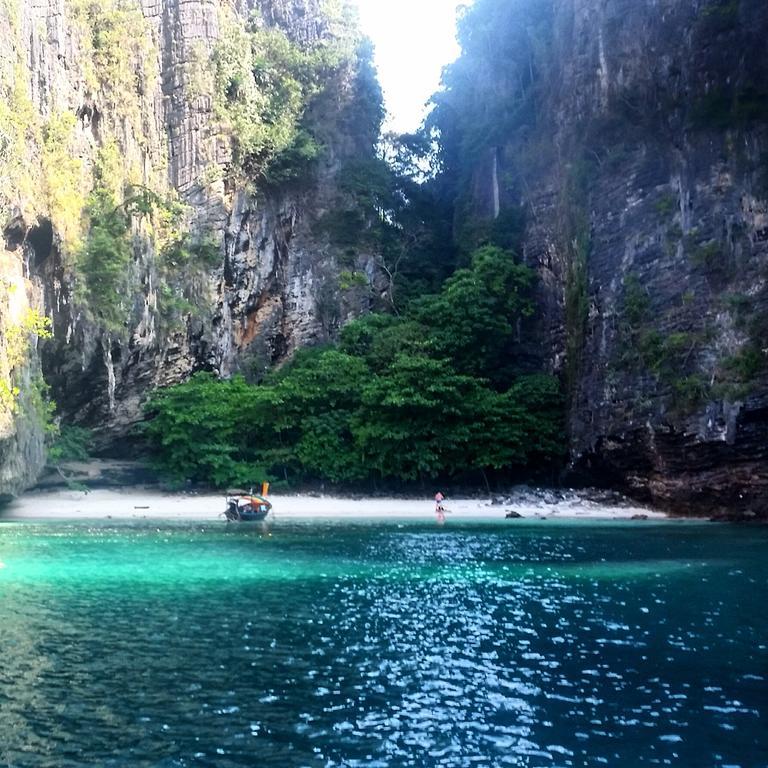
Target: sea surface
[498,643]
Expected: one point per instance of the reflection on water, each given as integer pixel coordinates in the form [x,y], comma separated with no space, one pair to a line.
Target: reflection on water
[383,645]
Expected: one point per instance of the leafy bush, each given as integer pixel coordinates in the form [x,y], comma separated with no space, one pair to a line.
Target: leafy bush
[295,160]
[739,374]
[70,444]
[666,206]
[117,48]
[64,179]
[636,301]
[203,430]
[104,263]
[188,251]
[379,339]
[15,343]
[746,364]
[419,419]
[689,391]
[331,418]
[349,280]
[18,337]
[651,350]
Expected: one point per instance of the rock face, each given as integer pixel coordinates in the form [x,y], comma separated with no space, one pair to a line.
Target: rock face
[22,417]
[123,96]
[635,137]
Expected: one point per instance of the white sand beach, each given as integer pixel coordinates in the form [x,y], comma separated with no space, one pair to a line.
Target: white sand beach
[139,503]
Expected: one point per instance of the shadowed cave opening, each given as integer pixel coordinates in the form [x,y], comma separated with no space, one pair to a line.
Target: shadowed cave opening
[37,238]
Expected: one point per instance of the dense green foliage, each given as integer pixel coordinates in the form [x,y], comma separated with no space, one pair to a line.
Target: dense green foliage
[472,320]
[403,398]
[106,258]
[16,341]
[263,86]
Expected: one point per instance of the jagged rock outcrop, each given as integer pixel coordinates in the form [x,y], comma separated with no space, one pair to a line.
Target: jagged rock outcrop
[634,134]
[125,99]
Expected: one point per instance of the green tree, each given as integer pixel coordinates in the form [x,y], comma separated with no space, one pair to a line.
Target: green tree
[263,85]
[417,419]
[202,430]
[315,399]
[379,339]
[473,319]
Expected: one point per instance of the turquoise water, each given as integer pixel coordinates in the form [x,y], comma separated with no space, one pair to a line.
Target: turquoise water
[383,644]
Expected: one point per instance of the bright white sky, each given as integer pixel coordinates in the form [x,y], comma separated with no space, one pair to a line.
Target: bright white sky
[414,40]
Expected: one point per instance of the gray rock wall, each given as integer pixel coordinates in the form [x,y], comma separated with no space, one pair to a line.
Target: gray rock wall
[678,255]
[645,179]
[22,416]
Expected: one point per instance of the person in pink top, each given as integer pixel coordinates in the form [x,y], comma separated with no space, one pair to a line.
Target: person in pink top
[439,510]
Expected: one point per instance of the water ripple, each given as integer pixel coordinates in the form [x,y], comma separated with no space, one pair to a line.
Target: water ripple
[382,645]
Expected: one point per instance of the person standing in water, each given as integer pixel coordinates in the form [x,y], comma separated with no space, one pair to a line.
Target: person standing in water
[439,509]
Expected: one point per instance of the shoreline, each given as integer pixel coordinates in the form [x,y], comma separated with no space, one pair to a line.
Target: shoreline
[137,503]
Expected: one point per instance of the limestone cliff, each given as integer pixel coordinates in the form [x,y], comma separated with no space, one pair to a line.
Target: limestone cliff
[22,409]
[633,135]
[166,167]
[168,170]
